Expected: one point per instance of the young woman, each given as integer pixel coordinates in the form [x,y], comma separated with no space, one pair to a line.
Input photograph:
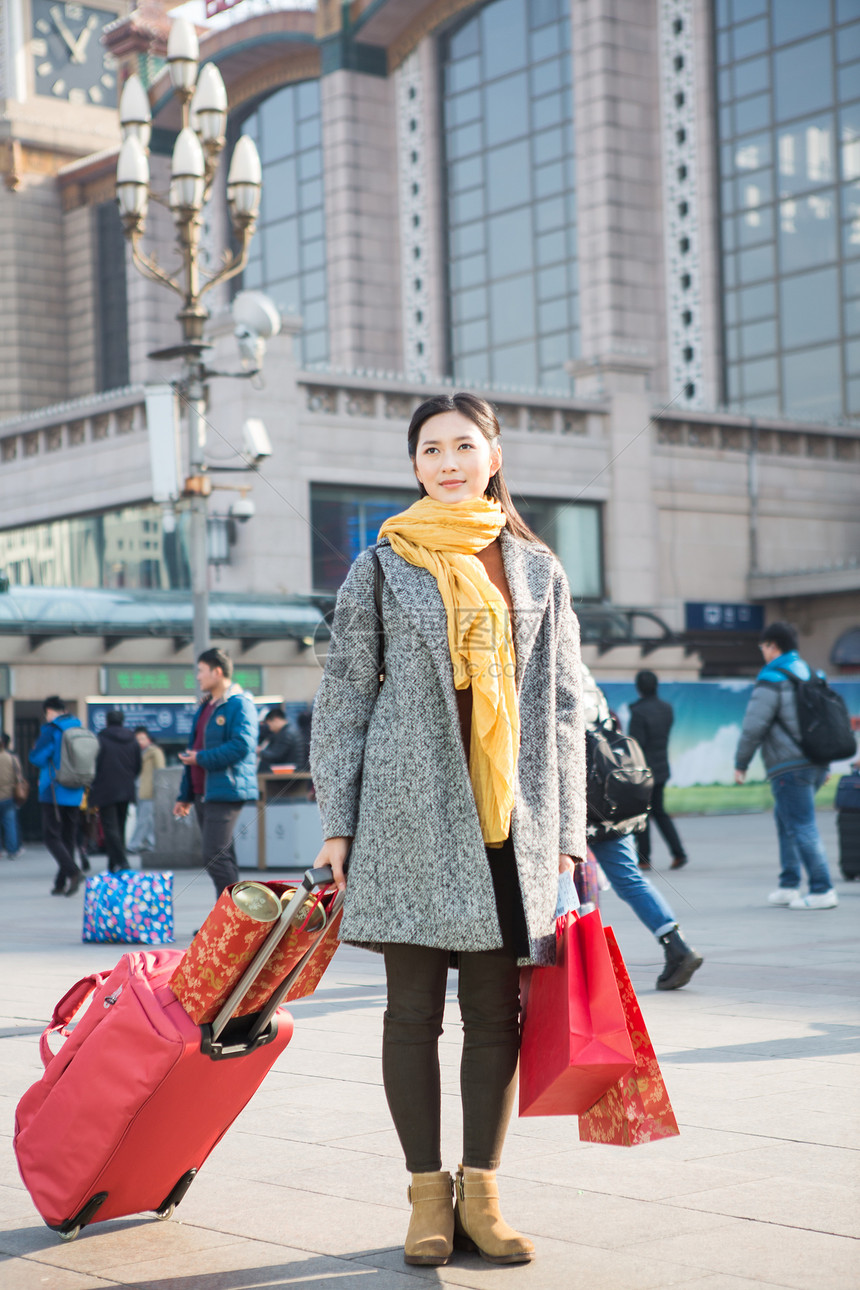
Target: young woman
[457,789]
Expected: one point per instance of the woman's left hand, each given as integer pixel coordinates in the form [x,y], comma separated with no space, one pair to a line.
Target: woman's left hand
[565,863]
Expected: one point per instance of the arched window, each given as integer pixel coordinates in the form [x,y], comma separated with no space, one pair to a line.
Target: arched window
[509,175]
[288,259]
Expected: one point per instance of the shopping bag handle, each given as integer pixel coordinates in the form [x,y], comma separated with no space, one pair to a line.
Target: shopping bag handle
[70,1004]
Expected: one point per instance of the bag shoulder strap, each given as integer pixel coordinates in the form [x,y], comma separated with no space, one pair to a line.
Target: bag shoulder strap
[378,584]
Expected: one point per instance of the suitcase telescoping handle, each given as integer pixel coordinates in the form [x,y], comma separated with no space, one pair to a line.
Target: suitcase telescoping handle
[290,915]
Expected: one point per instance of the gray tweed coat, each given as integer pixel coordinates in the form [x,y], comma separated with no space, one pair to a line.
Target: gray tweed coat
[391,772]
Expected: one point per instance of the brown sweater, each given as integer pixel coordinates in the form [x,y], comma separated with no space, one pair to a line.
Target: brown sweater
[491,559]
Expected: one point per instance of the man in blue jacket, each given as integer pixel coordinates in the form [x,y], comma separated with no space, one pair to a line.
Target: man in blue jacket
[60,806]
[220,764]
[772,724]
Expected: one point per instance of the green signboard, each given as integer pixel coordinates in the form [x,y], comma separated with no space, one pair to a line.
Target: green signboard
[170,680]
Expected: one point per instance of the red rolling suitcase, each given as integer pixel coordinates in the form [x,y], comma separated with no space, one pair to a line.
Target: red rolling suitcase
[128,1110]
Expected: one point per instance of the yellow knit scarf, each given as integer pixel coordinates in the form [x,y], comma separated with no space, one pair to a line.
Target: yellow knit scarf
[443,538]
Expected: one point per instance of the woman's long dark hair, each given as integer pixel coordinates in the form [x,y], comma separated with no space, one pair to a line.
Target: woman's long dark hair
[481,414]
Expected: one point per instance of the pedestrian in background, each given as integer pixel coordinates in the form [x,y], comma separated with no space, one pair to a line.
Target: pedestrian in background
[457,829]
[771,723]
[614,850]
[112,790]
[11,776]
[220,764]
[280,744]
[650,724]
[59,805]
[152,759]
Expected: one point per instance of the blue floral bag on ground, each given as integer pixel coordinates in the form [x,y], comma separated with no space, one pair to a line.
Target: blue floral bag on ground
[128,906]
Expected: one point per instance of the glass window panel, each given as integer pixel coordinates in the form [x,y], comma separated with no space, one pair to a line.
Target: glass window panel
[754,190]
[759,377]
[276,118]
[467,239]
[852,392]
[512,309]
[848,79]
[314,315]
[506,109]
[730,307]
[852,357]
[510,242]
[549,180]
[727,232]
[307,99]
[793,19]
[752,114]
[308,133]
[751,77]
[851,237]
[469,271]
[812,382]
[471,336]
[543,11]
[727,196]
[807,230]
[508,176]
[466,140]
[806,155]
[852,317]
[550,214]
[730,275]
[744,9]
[553,316]
[551,283]
[466,41]
[803,77]
[311,194]
[851,280]
[751,38]
[463,108]
[554,350]
[311,224]
[767,405]
[758,338]
[252,277]
[515,365]
[756,302]
[732,344]
[547,111]
[757,262]
[468,304]
[848,44]
[464,174]
[733,384]
[310,164]
[551,247]
[467,206]
[313,285]
[751,153]
[755,225]
[724,15]
[724,47]
[279,189]
[472,367]
[847,9]
[548,146]
[462,75]
[577,543]
[725,84]
[281,249]
[809,308]
[547,76]
[726,121]
[545,42]
[504,37]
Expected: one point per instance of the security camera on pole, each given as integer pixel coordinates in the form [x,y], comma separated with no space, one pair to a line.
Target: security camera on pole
[196,154]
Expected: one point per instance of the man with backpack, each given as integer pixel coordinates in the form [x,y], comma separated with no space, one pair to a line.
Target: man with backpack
[801,725]
[67,765]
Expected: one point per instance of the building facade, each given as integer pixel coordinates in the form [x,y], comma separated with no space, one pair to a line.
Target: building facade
[634,225]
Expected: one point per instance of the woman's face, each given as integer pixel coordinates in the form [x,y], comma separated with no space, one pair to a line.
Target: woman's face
[453,460]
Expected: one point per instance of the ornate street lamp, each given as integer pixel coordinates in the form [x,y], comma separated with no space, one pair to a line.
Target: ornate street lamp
[203,100]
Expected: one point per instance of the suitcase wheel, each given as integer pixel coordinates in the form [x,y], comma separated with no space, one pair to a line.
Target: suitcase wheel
[164,1214]
[70,1235]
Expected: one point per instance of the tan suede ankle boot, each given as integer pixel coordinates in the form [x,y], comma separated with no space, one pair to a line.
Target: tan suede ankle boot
[430,1238]
[478,1224]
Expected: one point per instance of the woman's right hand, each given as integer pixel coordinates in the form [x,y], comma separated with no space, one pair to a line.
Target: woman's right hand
[334,852]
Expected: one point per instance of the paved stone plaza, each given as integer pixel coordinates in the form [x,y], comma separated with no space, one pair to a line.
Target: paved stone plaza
[761,1054]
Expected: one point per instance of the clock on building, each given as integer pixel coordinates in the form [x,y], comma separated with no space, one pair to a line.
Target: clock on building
[69,60]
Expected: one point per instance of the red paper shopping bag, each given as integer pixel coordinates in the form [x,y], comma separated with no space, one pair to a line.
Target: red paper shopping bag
[575,1043]
[636,1108]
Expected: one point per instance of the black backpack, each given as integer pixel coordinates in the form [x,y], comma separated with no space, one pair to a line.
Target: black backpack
[825,725]
[619,781]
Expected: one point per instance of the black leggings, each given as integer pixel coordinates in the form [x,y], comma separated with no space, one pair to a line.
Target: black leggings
[489,995]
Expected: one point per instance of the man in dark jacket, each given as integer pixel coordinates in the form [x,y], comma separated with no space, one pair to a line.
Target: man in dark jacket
[280,743]
[650,722]
[771,723]
[112,790]
[60,805]
[220,764]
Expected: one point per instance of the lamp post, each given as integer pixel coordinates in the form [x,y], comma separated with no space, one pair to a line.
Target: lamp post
[199,144]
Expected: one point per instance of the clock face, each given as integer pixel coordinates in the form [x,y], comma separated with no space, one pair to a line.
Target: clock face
[69,60]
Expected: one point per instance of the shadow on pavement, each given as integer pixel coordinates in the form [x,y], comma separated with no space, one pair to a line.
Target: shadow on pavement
[832,1041]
